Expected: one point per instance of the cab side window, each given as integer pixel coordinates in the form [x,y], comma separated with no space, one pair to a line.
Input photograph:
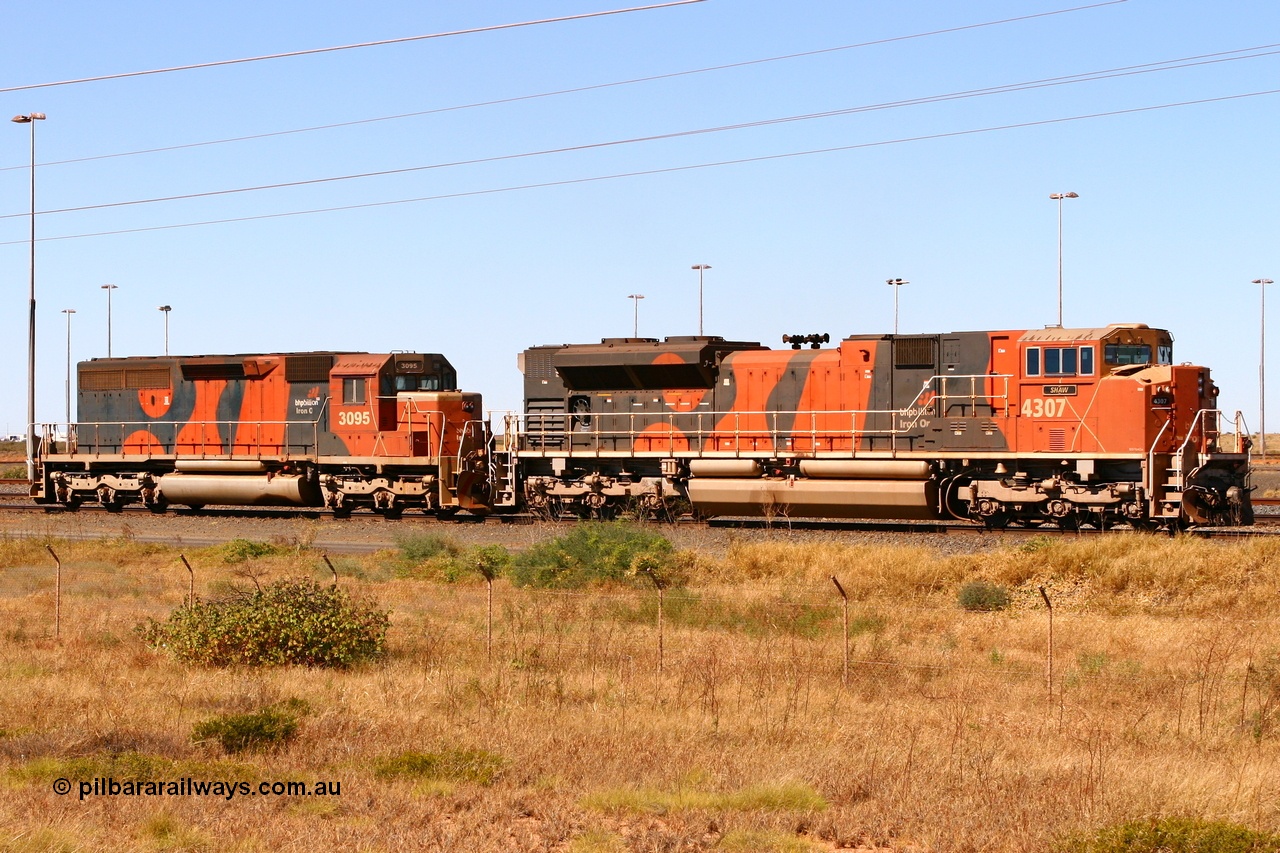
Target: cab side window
[1060,361]
[353,391]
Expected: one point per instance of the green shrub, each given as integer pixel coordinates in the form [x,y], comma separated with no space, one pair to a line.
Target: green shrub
[296,622]
[266,729]
[981,595]
[1174,835]
[14,472]
[467,765]
[489,560]
[419,548]
[435,558]
[592,552]
[242,550]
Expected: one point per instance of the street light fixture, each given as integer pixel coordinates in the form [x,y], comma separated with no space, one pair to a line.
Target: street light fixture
[166,309]
[68,312]
[1058,197]
[635,323]
[31,119]
[1262,365]
[108,288]
[895,283]
[701,268]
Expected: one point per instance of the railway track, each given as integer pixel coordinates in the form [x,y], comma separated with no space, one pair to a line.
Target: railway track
[13,499]
[1266,525]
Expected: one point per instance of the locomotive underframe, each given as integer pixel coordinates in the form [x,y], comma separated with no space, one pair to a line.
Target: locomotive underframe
[992,489]
[388,485]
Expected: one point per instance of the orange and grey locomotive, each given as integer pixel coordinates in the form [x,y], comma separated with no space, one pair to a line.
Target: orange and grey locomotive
[338,429]
[1063,426]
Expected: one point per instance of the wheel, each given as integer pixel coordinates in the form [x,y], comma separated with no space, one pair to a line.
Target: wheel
[996,521]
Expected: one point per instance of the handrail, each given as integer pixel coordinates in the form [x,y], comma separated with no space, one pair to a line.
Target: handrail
[1151,452]
[95,438]
[547,429]
[1201,415]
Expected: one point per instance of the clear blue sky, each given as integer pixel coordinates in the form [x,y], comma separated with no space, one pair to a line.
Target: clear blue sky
[1178,208]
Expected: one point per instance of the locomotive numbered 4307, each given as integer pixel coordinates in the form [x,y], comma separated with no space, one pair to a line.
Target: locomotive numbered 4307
[1065,426]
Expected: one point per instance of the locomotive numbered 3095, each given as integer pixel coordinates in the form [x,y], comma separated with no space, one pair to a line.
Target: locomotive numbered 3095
[344,430]
[1061,426]
[1065,426]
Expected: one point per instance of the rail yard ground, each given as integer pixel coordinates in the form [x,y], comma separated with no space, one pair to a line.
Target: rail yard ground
[943,734]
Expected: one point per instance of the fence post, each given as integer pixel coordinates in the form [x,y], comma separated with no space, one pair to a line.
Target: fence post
[844,678]
[1244,690]
[1048,669]
[191,588]
[483,566]
[325,557]
[57,593]
[657,582]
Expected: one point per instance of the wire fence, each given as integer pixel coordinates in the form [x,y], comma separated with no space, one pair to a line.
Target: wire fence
[1194,675]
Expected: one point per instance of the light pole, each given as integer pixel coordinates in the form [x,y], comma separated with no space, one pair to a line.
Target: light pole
[635,322]
[1059,197]
[108,288]
[31,119]
[895,283]
[68,312]
[701,268]
[1262,365]
[166,309]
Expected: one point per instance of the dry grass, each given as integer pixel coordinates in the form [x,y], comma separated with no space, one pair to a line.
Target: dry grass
[1166,701]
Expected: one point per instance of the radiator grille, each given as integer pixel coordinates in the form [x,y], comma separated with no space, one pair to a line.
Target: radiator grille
[537,364]
[307,368]
[116,379]
[1058,439]
[914,352]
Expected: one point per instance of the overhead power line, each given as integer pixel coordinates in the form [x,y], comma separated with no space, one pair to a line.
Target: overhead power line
[1087,76]
[316,50]
[664,170]
[574,90]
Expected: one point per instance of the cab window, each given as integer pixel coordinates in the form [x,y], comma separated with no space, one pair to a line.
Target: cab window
[1123,354]
[429,382]
[353,391]
[1060,361]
